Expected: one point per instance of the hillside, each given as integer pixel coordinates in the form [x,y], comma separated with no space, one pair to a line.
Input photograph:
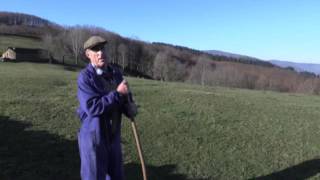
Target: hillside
[187,131]
[18,41]
[26,25]
[159,61]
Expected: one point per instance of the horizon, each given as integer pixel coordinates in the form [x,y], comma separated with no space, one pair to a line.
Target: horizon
[267,30]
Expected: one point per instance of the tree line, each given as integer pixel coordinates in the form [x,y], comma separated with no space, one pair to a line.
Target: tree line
[160,61]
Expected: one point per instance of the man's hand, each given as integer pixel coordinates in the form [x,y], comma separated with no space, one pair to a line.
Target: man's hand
[123,88]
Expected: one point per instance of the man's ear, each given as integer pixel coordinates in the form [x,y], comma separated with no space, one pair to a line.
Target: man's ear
[87,53]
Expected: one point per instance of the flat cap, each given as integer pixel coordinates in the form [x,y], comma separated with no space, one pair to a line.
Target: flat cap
[94,41]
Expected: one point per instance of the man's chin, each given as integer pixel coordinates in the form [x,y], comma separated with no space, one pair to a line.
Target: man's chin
[101,64]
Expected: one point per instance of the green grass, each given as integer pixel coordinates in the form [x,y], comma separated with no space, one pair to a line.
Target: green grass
[187,131]
[18,41]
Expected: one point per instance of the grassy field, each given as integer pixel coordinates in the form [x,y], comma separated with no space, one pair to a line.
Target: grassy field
[18,41]
[187,132]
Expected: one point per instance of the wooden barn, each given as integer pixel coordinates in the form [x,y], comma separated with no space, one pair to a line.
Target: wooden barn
[25,54]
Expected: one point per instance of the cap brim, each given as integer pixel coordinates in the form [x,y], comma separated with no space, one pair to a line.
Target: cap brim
[101,43]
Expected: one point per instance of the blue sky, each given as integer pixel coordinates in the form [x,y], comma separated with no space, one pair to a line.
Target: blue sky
[266,29]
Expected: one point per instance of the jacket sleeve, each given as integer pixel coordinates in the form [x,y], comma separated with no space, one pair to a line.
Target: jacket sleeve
[130,108]
[91,101]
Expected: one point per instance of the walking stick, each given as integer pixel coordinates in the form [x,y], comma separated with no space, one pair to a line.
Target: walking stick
[136,137]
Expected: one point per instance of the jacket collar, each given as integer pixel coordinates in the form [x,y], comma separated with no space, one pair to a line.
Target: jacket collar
[91,69]
[108,72]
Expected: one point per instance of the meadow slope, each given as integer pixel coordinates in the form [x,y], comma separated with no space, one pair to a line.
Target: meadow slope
[187,131]
[18,41]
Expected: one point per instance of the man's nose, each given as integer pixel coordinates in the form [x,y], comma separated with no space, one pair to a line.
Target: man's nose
[100,53]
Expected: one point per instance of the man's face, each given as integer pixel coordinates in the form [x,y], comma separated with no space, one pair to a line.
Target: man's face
[97,55]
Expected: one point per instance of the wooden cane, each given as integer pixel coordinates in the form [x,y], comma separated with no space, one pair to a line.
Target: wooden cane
[136,137]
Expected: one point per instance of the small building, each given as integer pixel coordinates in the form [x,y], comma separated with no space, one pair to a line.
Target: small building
[25,54]
[9,54]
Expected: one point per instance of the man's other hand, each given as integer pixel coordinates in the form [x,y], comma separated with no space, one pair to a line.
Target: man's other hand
[123,88]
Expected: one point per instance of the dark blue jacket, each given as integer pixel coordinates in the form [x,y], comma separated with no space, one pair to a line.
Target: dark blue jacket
[100,112]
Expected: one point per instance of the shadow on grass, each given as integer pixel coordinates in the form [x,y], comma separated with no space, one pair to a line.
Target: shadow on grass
[166,172]
[70,68]
[303,170]
[29,154]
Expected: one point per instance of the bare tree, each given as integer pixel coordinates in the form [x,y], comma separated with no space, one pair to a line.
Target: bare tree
[112,49]
[160,66]
[77,37]
[200,72]
[48,45]
[123,50]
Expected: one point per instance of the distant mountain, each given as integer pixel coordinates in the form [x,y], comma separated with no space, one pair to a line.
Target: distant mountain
[239,58]
[228,54]
[300,67]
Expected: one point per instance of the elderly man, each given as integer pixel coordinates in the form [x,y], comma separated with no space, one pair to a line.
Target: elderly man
[103,97]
